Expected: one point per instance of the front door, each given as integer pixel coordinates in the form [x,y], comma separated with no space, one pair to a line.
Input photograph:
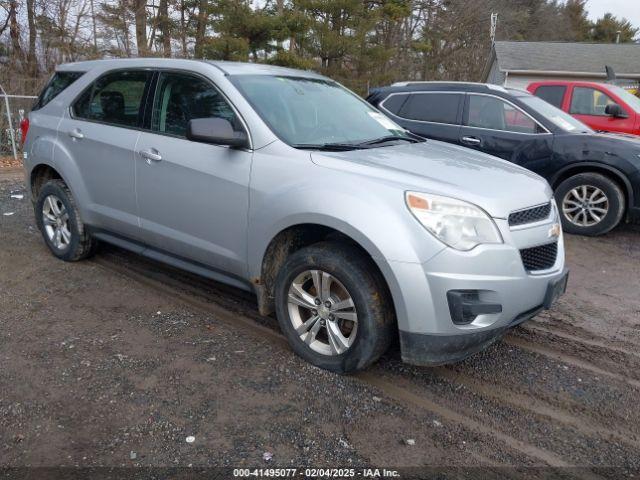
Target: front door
[193,198]
[588,105]
[100,133]
[502,129]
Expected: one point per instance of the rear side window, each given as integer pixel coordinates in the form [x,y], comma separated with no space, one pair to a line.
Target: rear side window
[394,103]
[56,85]
[432,107]
[495,114]
[182,97]
[553,94]
[115,98]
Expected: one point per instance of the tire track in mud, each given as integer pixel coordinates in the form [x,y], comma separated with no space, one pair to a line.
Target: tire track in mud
[545,329]
[538,407]
[404,395]
[184,288]
[560,356]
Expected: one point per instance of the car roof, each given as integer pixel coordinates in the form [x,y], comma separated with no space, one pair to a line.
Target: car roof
[440,86]
[228,68]
[568,82]
[462,87]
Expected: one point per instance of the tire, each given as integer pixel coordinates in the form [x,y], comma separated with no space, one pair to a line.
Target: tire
[55,202]
[353,276]
[575,196]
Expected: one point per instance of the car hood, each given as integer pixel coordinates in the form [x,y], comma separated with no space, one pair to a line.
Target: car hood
[497,186]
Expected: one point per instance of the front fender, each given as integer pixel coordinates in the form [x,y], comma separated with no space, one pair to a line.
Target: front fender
[371,213]
[383,227]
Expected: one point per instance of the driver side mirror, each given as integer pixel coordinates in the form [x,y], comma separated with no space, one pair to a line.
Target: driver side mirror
[217,131]
[614,110]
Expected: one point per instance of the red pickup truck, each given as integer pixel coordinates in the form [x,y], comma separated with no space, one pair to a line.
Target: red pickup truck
[601,106]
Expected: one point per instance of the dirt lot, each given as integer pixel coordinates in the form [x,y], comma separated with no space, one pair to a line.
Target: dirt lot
[115,361]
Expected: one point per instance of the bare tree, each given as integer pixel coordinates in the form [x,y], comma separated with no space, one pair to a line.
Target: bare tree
[140,15]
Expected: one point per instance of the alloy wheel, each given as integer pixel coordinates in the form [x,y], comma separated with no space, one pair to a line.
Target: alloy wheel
[585,205]
[322,312]
[55,220]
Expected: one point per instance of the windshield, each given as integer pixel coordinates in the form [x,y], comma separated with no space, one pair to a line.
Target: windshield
[627,97]
[307,112]
[560,119]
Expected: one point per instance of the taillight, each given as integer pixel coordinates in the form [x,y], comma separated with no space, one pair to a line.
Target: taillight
[24,128]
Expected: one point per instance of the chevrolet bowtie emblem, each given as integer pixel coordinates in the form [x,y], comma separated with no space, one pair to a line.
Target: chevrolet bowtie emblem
[555,231]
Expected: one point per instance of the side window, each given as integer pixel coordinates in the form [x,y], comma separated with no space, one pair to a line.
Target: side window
[432,107]
[56,85]
[553,94]
[496,114]
[114,98]
[394,103]
[589,101]
[181,97]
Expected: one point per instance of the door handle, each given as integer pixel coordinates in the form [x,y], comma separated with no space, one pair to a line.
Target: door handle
[76,133]
[151,155]
[471,140]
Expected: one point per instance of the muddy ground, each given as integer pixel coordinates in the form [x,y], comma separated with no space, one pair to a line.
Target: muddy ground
[115,361]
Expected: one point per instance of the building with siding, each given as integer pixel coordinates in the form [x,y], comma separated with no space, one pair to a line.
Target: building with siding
[517,64]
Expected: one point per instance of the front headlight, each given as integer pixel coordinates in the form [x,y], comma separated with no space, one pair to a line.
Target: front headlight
[459,224]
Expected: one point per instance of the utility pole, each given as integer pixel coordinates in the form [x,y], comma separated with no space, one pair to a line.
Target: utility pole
[494,25]
[95,33]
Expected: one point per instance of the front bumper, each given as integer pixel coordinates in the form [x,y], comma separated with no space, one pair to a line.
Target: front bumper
[432,350]
[429,332]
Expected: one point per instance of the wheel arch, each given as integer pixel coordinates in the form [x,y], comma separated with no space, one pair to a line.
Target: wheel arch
[595,167]
[39,175]
[299,235]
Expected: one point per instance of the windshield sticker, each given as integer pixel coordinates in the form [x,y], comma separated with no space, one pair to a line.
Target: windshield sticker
[562,123]
[384,121]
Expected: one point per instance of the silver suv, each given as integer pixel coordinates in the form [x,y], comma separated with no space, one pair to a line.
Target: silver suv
[284,183]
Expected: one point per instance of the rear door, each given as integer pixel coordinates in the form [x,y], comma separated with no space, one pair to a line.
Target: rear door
[101,132]
[499,127]
[193,197]
[428,114]
[588,105]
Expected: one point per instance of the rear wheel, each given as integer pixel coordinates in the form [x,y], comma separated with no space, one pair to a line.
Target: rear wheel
[59,221]
[590,204]
[333,307]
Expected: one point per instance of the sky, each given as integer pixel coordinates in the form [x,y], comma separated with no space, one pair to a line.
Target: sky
[629,9]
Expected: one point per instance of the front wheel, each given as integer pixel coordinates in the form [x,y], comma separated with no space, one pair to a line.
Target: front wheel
[333,307]
[590,204]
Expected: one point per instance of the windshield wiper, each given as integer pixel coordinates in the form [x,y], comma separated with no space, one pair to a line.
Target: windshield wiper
[328,147]
[389,138]
[343,147]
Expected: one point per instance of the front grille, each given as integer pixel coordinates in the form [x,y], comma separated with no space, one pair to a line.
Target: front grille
[542,257]
[530,215]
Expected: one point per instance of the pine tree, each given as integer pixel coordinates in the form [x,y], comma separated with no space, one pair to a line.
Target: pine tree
[606,29]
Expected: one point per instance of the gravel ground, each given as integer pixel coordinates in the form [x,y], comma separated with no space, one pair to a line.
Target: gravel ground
[117,361]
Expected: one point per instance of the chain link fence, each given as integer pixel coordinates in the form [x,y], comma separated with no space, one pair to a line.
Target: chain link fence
[14,109]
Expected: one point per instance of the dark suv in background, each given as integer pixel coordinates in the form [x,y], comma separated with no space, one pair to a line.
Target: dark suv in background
[595,176]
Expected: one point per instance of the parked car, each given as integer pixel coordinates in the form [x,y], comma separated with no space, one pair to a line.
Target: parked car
[284,183]
[601,106]
[596,177]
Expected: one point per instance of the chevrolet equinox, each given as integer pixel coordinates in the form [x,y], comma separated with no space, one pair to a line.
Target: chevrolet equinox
[282,182]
